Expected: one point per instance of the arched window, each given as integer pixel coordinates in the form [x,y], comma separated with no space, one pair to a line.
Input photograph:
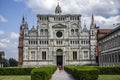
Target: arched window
[76,30]
[72,31]
[41,31]
[46,32]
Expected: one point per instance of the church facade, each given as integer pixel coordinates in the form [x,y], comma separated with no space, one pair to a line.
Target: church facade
[58,39]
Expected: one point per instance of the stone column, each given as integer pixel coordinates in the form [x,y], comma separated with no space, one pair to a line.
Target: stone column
[64,58]
[54,58]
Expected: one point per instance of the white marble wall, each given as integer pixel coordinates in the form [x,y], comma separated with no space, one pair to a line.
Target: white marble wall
[65,27]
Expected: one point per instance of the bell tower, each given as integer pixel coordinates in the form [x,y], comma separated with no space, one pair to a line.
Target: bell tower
[93,34]
[20,45]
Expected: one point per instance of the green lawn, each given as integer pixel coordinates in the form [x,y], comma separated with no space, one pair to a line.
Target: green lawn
[14,77]
[109,77]
[101,77]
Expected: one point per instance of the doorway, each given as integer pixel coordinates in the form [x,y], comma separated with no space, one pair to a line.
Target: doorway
[59,57]
[59,60]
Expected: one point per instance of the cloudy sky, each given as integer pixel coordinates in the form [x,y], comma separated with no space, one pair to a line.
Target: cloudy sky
[106,13]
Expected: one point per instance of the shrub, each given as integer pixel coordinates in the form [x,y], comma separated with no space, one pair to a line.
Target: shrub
[87,74]
[109,70]
[15,71]
[42,73]
[83,73]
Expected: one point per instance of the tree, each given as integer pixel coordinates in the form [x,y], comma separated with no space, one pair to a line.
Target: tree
[13,62]
[0,60]
[1,57]
[5,62]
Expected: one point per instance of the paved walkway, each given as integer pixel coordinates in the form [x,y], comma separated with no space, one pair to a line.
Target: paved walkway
[61,75]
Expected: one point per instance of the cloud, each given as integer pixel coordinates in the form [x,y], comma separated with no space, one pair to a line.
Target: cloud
[14,35]
[106,12]
[86,7]
[40,5]
[101,21]
[9,44]
[107,22]
[2,19]
[4,43]
[2,32]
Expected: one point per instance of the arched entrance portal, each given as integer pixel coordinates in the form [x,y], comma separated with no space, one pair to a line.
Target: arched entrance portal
[59,57]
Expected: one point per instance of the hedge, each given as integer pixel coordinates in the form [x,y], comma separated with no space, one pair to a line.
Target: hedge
[83,73]
[91,72]
[109,70]
[15,71]
[42,73]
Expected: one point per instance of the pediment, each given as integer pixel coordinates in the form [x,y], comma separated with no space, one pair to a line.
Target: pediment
[59,26]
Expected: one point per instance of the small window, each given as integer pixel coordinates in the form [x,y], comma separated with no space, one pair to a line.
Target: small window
[82,42]
[43,55]
[119,57]
[85,54]
[74,55]
[32,55]
[29,42]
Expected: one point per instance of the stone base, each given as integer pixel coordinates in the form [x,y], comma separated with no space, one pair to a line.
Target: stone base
[45,63]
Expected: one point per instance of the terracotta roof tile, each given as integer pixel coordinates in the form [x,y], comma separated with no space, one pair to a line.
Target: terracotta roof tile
[104,31]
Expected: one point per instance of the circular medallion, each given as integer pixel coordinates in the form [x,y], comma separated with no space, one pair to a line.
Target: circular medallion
[59,34]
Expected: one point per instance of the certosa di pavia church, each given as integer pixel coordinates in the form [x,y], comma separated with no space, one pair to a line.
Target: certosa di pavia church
[57,39]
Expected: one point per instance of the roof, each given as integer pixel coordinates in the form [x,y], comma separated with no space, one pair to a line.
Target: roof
[85,29]
[110,32]
[104,31]
[32,29]
[52,15]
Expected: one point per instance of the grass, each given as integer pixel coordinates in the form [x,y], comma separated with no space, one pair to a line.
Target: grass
[109,77]
[14,77]
[101,77]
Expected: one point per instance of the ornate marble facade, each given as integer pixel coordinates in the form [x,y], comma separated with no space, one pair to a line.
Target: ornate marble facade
[57,39]
[109,48]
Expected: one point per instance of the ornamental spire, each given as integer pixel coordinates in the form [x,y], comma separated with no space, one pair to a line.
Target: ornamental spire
[85,28]
[92,19]
[58,9]
[23,20]
[92,22]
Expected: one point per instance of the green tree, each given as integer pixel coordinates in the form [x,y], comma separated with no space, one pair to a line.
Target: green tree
[5,62]
[0,60]
[0,57]
[13,62]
